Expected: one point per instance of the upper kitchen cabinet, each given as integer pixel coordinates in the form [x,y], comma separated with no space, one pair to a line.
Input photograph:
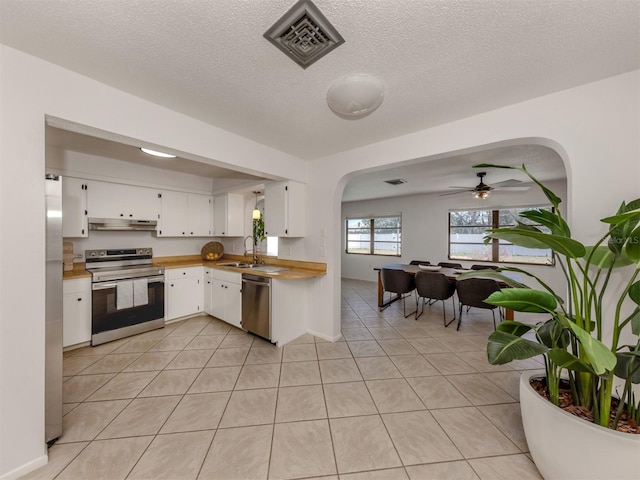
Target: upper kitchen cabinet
[185,215]
[284,209]
[74,208]
[116,200]
[228,217]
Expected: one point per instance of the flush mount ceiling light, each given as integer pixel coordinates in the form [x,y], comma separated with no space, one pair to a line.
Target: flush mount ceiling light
[304,34]
[355,96]
[155,153]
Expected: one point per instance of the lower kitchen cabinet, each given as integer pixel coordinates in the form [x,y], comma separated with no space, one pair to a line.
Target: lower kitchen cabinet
[76,311]
[224,296]
[184,294]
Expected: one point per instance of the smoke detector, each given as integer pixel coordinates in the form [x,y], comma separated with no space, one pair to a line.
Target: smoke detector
[304,34]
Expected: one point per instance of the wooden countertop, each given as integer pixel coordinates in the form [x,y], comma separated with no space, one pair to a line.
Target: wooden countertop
[297,270]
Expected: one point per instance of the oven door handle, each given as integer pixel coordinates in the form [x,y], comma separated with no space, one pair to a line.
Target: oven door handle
[107,286]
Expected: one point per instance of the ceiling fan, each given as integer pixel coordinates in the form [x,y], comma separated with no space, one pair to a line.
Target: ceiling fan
[482,190]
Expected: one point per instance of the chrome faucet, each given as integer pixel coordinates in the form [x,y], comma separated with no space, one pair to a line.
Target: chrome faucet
[246,250]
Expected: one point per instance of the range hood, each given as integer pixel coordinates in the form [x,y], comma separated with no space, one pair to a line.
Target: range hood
[122,224]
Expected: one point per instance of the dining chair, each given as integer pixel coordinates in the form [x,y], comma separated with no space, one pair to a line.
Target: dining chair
[484,267]
[400,283]
[419,262]
[450,265]
[472,292]
[435,286]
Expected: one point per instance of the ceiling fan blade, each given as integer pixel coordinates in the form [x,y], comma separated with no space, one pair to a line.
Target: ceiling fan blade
[461,188]
[514,189]
[507,183]
[456,192]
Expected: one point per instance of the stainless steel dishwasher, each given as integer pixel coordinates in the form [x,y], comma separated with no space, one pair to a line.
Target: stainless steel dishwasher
[256,305]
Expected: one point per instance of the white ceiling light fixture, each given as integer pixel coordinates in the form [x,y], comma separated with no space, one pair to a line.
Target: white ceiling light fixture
[355,96]
[155,153]
[257,214]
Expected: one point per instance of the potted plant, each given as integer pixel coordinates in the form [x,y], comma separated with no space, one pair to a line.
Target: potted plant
[582,342]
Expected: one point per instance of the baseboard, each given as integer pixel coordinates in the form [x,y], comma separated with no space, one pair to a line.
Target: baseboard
[26,468]
[324,337]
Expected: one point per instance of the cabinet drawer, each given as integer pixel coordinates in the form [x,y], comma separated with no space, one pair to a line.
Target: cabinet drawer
[77,285]
[225,276]
[175,273]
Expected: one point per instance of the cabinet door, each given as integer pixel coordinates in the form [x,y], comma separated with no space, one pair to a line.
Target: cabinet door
[284,209]
[200,215]
[218,298]
[106,200]
[233,304]
[174,215]
[184,297]
[74,208]
[208,291]
[228,217]
[76,311]
[142,203]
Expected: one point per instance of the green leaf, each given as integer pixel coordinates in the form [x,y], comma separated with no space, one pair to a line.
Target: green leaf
[514,328]
[549,219]
[553,334]
[599,356]
[525,238]
[504,347]
[632,246]
[631,216]
[628,366]
[634,292]
[523,300]
[564,359]
[603,256]
[635,322]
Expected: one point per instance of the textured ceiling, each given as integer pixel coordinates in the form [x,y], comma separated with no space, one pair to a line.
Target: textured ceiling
[439,60]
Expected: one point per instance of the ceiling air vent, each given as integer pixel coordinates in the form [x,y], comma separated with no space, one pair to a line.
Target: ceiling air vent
[396,181]
[304,34]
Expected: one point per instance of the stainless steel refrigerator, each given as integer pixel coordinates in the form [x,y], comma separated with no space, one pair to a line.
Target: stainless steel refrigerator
[53,309]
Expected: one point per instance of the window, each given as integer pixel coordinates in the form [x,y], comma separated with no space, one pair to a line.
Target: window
[375,235]
[467,229]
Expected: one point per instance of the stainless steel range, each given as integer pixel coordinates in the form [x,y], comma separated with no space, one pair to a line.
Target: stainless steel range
[127,293]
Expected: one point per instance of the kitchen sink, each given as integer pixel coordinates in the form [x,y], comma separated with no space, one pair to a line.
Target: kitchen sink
[254,266]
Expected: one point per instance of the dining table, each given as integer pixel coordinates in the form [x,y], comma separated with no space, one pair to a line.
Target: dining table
[450,273]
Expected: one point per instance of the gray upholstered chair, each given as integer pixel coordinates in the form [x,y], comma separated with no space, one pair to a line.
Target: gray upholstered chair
[473,291]
[450,265]
[435,286]
[398,282]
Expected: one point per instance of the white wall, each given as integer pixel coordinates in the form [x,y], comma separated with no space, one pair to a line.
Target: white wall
[594,128]
[31,89]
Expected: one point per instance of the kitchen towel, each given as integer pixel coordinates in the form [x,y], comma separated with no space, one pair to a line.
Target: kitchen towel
[140,292]
[124,294]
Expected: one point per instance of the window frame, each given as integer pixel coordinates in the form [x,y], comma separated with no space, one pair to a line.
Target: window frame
[494,213]
[372,234]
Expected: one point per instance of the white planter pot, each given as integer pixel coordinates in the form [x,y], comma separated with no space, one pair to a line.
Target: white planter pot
[566,447]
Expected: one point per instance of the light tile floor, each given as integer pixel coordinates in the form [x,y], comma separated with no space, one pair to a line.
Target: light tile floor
[396,399]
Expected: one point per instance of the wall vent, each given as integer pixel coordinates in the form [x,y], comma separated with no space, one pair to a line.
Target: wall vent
[396,181]
[304,34]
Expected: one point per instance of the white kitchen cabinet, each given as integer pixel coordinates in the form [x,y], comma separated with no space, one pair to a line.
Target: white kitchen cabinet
[284,209]
[184,294]
[116,200]
[208,290]
[228,217]
[226,296]
[76,311]
[74,207]
[185,215]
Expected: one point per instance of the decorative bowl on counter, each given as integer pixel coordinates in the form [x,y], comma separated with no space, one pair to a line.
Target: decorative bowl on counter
[212,251]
